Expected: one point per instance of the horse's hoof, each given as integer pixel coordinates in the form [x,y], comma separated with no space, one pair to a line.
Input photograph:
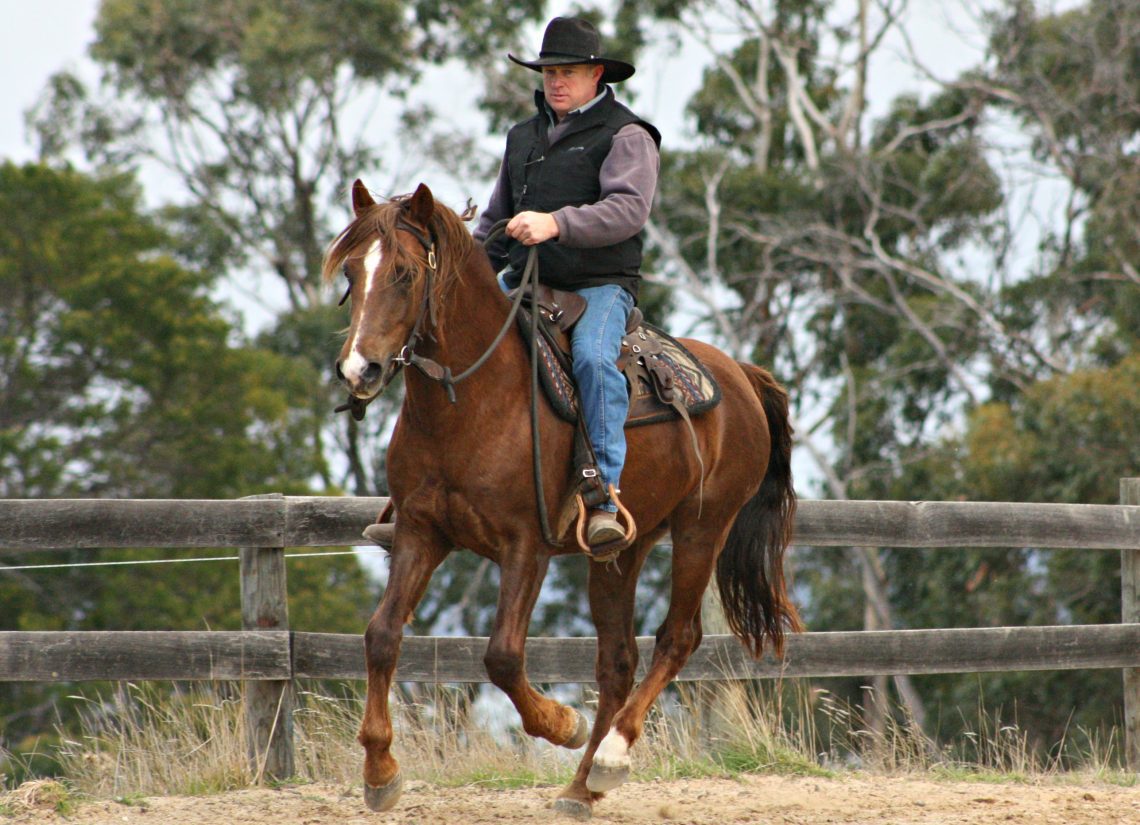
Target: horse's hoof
[603,778]
[383,798]
[581,734]
[574,808]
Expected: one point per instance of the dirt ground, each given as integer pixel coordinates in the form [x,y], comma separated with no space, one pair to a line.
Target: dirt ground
[771,800]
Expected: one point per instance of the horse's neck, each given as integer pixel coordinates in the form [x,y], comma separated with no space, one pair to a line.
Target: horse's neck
[473,313]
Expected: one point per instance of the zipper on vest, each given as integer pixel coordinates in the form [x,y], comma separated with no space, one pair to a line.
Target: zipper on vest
[531,163]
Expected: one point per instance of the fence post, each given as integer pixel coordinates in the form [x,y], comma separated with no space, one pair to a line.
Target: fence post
[713,697]
[1130,613]
[268,704]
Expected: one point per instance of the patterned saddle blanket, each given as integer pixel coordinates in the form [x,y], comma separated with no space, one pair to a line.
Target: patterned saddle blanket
[664,377]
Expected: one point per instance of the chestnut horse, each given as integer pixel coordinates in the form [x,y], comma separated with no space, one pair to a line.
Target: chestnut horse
[424,293]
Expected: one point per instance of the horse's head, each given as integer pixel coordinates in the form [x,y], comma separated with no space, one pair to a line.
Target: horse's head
[395,277]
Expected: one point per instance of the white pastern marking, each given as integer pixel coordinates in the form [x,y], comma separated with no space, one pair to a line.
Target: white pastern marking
[613,752]
[355,364]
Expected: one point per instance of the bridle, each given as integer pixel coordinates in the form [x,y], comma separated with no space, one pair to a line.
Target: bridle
[407,356]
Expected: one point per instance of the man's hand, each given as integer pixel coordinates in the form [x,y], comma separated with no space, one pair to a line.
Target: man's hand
[530,228]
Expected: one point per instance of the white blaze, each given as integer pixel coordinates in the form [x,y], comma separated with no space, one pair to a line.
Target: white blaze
[355,365]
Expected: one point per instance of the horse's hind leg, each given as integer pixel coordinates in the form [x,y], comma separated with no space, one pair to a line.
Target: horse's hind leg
[694,558]
[612,588]
[411,569]
[522,572]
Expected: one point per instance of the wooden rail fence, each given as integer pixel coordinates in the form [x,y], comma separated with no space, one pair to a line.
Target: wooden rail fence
[269,657]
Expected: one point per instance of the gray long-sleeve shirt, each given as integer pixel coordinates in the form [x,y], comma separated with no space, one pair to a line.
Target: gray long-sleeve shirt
[628,180]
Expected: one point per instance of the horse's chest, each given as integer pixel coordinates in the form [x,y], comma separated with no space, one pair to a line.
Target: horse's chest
[473,462]
[467,513]
[471,524]
[465,523]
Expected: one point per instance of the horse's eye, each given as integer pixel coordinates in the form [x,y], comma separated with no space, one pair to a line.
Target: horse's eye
[402,276]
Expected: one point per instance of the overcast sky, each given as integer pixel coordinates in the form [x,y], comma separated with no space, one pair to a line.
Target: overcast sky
[39,38]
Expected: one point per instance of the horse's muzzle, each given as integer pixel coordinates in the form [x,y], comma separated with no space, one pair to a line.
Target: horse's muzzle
[364,379]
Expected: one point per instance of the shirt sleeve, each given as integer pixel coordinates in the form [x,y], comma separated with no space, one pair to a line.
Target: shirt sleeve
[498,207]
[628,179]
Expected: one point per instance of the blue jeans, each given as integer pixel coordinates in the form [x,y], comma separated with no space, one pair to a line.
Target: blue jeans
[603,398]
[602,394]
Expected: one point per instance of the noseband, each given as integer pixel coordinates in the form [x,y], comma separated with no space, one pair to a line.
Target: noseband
[407,354]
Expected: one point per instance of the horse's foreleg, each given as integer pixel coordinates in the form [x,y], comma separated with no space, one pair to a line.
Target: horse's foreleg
[678,636]
[505,659]
[612,588]
[408,577]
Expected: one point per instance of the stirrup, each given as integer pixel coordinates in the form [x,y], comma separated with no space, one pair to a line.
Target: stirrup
[610,550]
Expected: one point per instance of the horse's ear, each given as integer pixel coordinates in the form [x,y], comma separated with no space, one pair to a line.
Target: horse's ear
[421,205]
[361,200]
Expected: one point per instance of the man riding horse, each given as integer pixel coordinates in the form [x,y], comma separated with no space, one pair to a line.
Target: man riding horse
[577,179]
[423,294]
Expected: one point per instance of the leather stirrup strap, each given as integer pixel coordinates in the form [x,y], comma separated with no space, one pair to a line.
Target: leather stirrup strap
[590,486]
[678,404]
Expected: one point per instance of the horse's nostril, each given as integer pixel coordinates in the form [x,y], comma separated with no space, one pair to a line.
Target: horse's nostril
[372,372]
[339,371]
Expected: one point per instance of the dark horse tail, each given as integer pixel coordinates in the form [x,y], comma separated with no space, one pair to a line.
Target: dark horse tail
[750,570]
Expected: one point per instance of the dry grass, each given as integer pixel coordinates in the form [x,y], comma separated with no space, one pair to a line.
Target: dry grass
[38,794]
[148,740]
[143,740]
[436,741]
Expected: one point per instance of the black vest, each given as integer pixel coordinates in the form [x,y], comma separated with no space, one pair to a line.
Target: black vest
[545,178]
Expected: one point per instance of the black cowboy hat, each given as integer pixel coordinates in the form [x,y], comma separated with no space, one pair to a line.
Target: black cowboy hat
[570,40]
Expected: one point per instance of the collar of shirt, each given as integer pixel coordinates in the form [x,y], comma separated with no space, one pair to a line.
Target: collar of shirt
[583,108]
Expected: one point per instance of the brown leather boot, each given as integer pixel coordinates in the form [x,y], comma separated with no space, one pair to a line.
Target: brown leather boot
[603,528]
[382,534]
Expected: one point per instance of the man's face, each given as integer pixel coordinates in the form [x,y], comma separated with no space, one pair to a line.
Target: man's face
[568,87]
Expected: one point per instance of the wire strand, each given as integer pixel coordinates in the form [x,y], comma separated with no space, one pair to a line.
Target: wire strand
[5,567]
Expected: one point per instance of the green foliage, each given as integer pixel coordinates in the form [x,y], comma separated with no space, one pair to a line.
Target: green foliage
[121,377]
[248,103]
[118,370]
[1070,438]
[1073,81]
[166,51]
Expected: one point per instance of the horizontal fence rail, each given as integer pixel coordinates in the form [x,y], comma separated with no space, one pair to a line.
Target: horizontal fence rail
[114,655]
[322,521]
[269,656]
[282,655]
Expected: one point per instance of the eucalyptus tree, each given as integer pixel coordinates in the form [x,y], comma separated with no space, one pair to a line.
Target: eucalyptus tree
[1071,81]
